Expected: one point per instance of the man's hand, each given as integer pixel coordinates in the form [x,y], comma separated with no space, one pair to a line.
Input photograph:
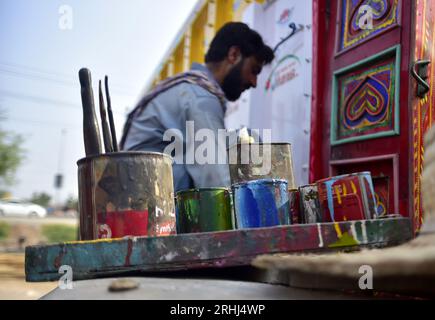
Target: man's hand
[244,136]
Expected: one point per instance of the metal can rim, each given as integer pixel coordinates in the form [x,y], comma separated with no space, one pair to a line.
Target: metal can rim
[261,143]
[123,154]
[202,189]
[259,181]
[345,175]
[308,185]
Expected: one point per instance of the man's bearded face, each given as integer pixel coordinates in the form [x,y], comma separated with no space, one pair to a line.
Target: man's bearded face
[232,85]
[241,77]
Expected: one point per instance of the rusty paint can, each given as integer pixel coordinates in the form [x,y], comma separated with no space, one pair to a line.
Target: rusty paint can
[295,206]
[204,210]
[309,202]
[261,203]
[126,194]
[256,161]
[347,197]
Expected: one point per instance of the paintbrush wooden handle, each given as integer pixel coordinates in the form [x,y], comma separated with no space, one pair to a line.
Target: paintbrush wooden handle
[106,132]
[110,113]
[91,132]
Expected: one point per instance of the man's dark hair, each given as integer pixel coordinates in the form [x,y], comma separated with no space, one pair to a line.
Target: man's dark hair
[240,35]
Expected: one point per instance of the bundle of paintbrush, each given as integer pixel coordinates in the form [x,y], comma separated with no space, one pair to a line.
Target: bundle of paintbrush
[91,134]
[120,193]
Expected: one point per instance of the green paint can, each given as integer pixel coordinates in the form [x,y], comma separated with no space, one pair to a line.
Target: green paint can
[204,210]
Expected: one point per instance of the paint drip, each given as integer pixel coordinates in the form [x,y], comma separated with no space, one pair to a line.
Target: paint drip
[347,197]
[204,210]
[261,203]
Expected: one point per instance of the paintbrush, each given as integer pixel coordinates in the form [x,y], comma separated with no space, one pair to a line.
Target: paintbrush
[106,133]
[110,113]
[91,133]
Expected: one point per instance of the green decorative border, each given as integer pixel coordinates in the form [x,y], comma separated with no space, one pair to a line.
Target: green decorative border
[334,104]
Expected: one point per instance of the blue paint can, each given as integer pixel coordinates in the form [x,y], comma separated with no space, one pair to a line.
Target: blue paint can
[261,203]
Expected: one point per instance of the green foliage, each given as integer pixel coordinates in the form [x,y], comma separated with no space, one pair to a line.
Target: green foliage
[11,156]
[72,203]
[4,230]
[41,198]
[4,194]
[59,233]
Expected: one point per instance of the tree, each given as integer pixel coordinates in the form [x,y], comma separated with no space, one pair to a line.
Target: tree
[72,203]
[4,194]
[41,198]
[11,156]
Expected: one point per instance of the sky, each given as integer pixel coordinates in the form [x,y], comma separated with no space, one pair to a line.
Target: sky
[43,46]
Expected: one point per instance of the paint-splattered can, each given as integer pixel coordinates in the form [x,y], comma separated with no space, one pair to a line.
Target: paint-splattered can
[254,161]
[126,194]
[310,206]
[204,210]
[261,203]
[295,206]
[347,197]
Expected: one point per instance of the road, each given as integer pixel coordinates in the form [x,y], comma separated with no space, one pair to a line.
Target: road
[12,283]
[12,280]
[40,221]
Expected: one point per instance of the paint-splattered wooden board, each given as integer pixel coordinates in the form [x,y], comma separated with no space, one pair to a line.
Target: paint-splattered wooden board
[100,258]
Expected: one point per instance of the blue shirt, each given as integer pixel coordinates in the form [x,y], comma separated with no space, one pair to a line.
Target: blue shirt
[171,110]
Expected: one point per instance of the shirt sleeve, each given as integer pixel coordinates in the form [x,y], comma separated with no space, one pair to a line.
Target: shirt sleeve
[206,118]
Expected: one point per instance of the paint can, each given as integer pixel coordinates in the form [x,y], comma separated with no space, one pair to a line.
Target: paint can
[255,161]
[204,210]
[295,206]
[309,202]
[126,194]
[261,203]
[347,197]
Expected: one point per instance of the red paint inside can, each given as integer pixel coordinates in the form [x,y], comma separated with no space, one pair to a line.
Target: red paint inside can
[123,223]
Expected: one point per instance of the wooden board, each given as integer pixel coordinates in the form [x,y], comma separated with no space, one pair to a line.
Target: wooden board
[202,250]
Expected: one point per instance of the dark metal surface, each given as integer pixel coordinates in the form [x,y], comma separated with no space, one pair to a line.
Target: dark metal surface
[153,288]
[419,72]
[91,132]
